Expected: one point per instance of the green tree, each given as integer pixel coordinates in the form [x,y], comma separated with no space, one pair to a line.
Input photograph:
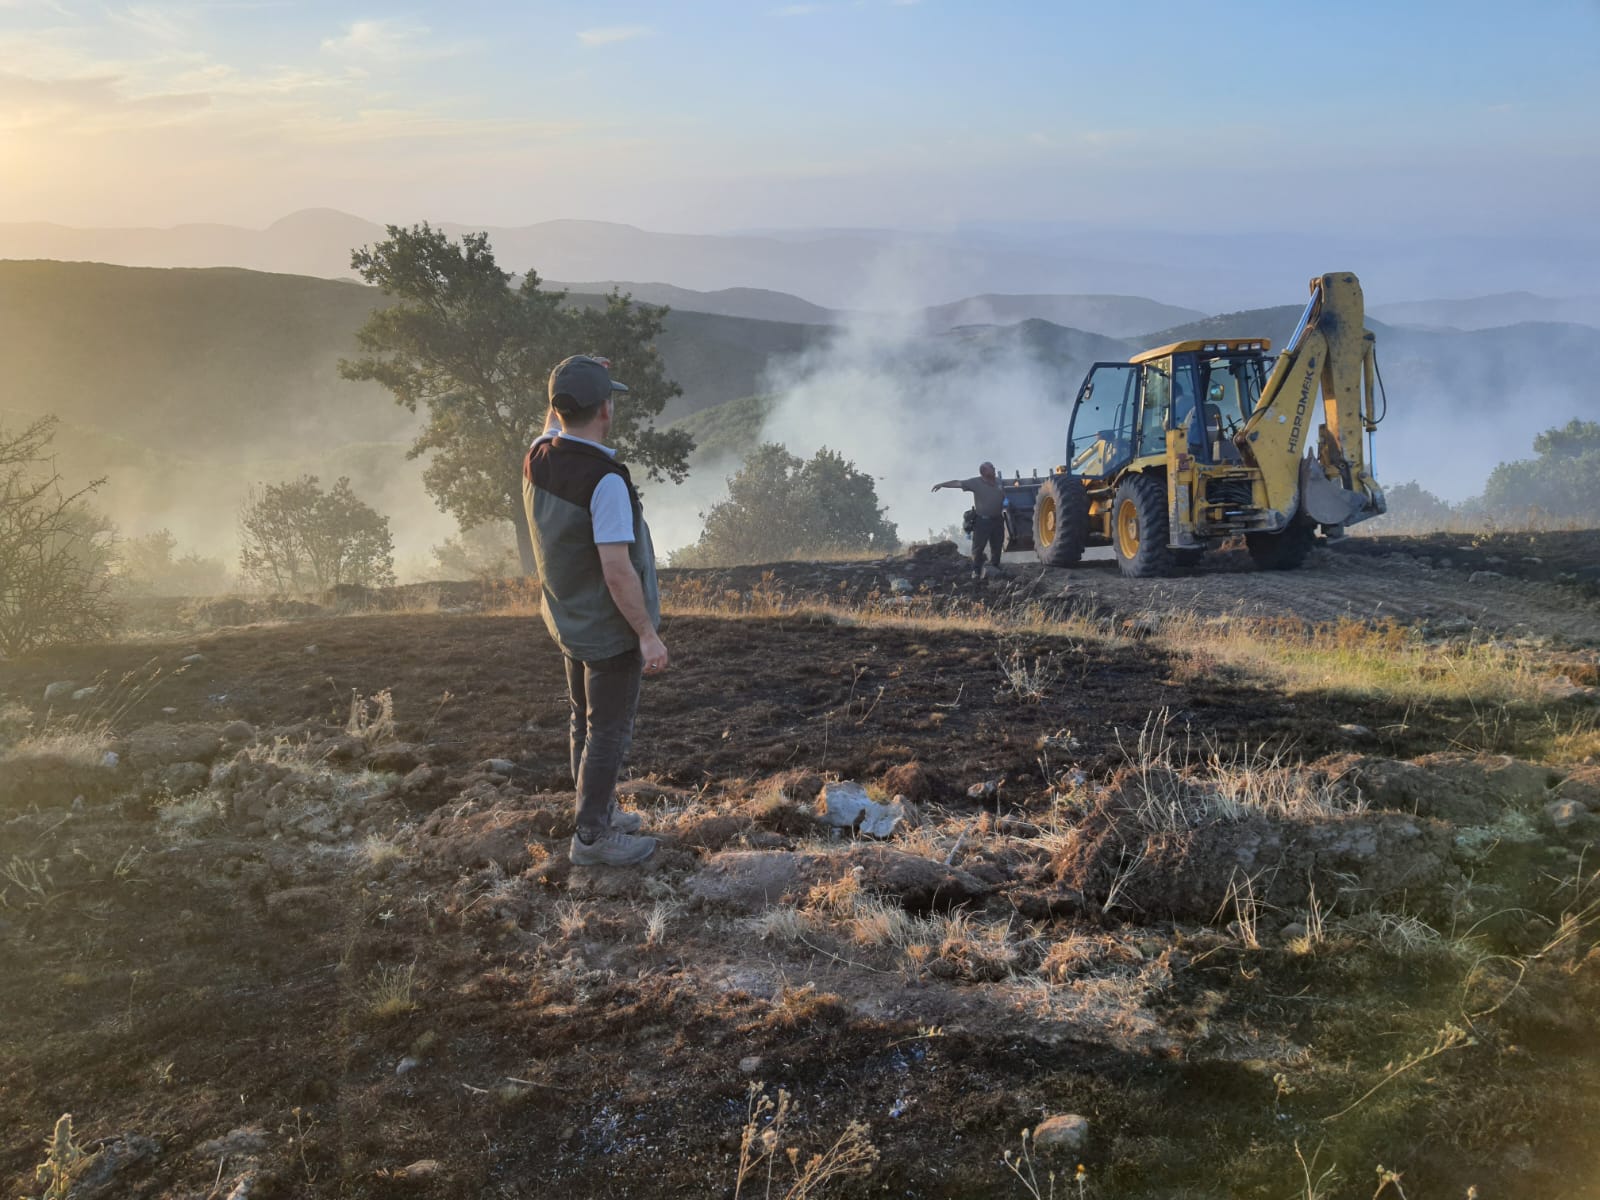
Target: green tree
[295,537]
[55,555]
[780,507]
[152,566]
[1563,481]
[476,354]
[482,552]
[1415,509]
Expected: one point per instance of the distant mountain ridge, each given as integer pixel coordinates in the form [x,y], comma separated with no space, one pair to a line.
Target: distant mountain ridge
[1488,312]
[1109,316]
[881,270]
[220,374]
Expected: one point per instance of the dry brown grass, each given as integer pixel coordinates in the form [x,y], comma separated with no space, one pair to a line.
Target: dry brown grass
[695,597]
[389,992]
[1360,659]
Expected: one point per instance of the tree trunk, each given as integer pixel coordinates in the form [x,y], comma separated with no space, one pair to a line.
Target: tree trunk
[519,522]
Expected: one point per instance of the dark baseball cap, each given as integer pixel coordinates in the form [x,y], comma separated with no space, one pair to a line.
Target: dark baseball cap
[584,380]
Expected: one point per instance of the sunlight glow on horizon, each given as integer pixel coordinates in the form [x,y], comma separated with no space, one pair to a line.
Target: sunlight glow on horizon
[879,113]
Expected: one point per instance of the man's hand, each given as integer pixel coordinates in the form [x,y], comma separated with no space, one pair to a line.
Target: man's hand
[654,652]
[937,486]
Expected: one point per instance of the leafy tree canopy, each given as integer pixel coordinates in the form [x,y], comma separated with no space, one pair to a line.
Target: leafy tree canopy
[1563,481]
[476,354]
[297,538]
[151,565]
[780,507]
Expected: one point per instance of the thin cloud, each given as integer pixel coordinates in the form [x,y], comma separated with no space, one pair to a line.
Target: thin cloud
[608,35]
[797,10]
[386,41]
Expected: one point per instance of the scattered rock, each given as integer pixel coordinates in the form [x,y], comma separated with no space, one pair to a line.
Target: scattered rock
[418,779]
[84,693]
[1061,1134]
[749,880]
[1484,576]
[192,660]
[498,766]
[1562,815]
[1582,785]
[311,649]
[911,780]
[900,586]
[846,805]
[984,792]
[60,690]
[407,1065]
[750,1064]
[419,1171]
[1358,733]
[238,731]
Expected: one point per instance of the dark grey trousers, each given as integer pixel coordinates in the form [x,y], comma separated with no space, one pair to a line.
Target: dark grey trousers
[990,532]
[605,698]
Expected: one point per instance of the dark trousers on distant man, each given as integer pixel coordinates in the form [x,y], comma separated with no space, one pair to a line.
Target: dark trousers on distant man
[990,533]
[605,699]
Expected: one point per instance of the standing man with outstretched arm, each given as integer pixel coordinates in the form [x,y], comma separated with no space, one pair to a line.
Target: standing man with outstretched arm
[597,573]
[988,504]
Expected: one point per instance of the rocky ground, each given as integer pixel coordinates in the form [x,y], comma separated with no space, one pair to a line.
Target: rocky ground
[285,908]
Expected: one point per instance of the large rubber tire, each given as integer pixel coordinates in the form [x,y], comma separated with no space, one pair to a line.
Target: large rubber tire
[1283,551]
[1060,521]
[1139,528]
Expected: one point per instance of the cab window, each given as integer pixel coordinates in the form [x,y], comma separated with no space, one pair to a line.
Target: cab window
[1102,435]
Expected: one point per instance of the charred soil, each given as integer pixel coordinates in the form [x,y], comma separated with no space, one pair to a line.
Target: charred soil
[295,914]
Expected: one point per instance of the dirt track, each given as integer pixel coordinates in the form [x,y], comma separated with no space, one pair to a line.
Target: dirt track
[1540,586]
[1337,584]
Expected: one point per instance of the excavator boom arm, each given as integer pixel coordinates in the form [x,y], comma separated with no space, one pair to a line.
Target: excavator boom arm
[1331,351]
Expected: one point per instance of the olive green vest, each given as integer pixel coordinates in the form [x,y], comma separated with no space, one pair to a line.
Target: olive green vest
[558,480]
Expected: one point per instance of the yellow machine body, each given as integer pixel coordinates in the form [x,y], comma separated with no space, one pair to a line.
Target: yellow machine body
[1202,431]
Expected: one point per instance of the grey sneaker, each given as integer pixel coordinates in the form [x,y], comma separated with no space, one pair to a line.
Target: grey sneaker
[623,821]
[613,850]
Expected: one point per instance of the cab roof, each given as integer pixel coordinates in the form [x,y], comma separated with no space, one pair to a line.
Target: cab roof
[1206,346]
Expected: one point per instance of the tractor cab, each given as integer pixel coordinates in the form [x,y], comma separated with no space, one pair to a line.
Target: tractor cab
[1204,390]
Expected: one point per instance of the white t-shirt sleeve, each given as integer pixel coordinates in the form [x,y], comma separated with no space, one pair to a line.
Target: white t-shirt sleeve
[611,511]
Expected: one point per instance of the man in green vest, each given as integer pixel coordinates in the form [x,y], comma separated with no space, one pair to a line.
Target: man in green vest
[597,572]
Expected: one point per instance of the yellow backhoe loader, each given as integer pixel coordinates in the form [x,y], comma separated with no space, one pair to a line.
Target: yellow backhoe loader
[1187,445]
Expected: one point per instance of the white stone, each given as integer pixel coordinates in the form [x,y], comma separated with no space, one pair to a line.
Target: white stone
[1067,1131]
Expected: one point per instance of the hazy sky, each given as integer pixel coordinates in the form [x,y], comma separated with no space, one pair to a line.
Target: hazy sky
[715,114]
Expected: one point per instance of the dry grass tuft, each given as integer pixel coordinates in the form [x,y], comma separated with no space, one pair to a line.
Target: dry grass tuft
[389,992]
